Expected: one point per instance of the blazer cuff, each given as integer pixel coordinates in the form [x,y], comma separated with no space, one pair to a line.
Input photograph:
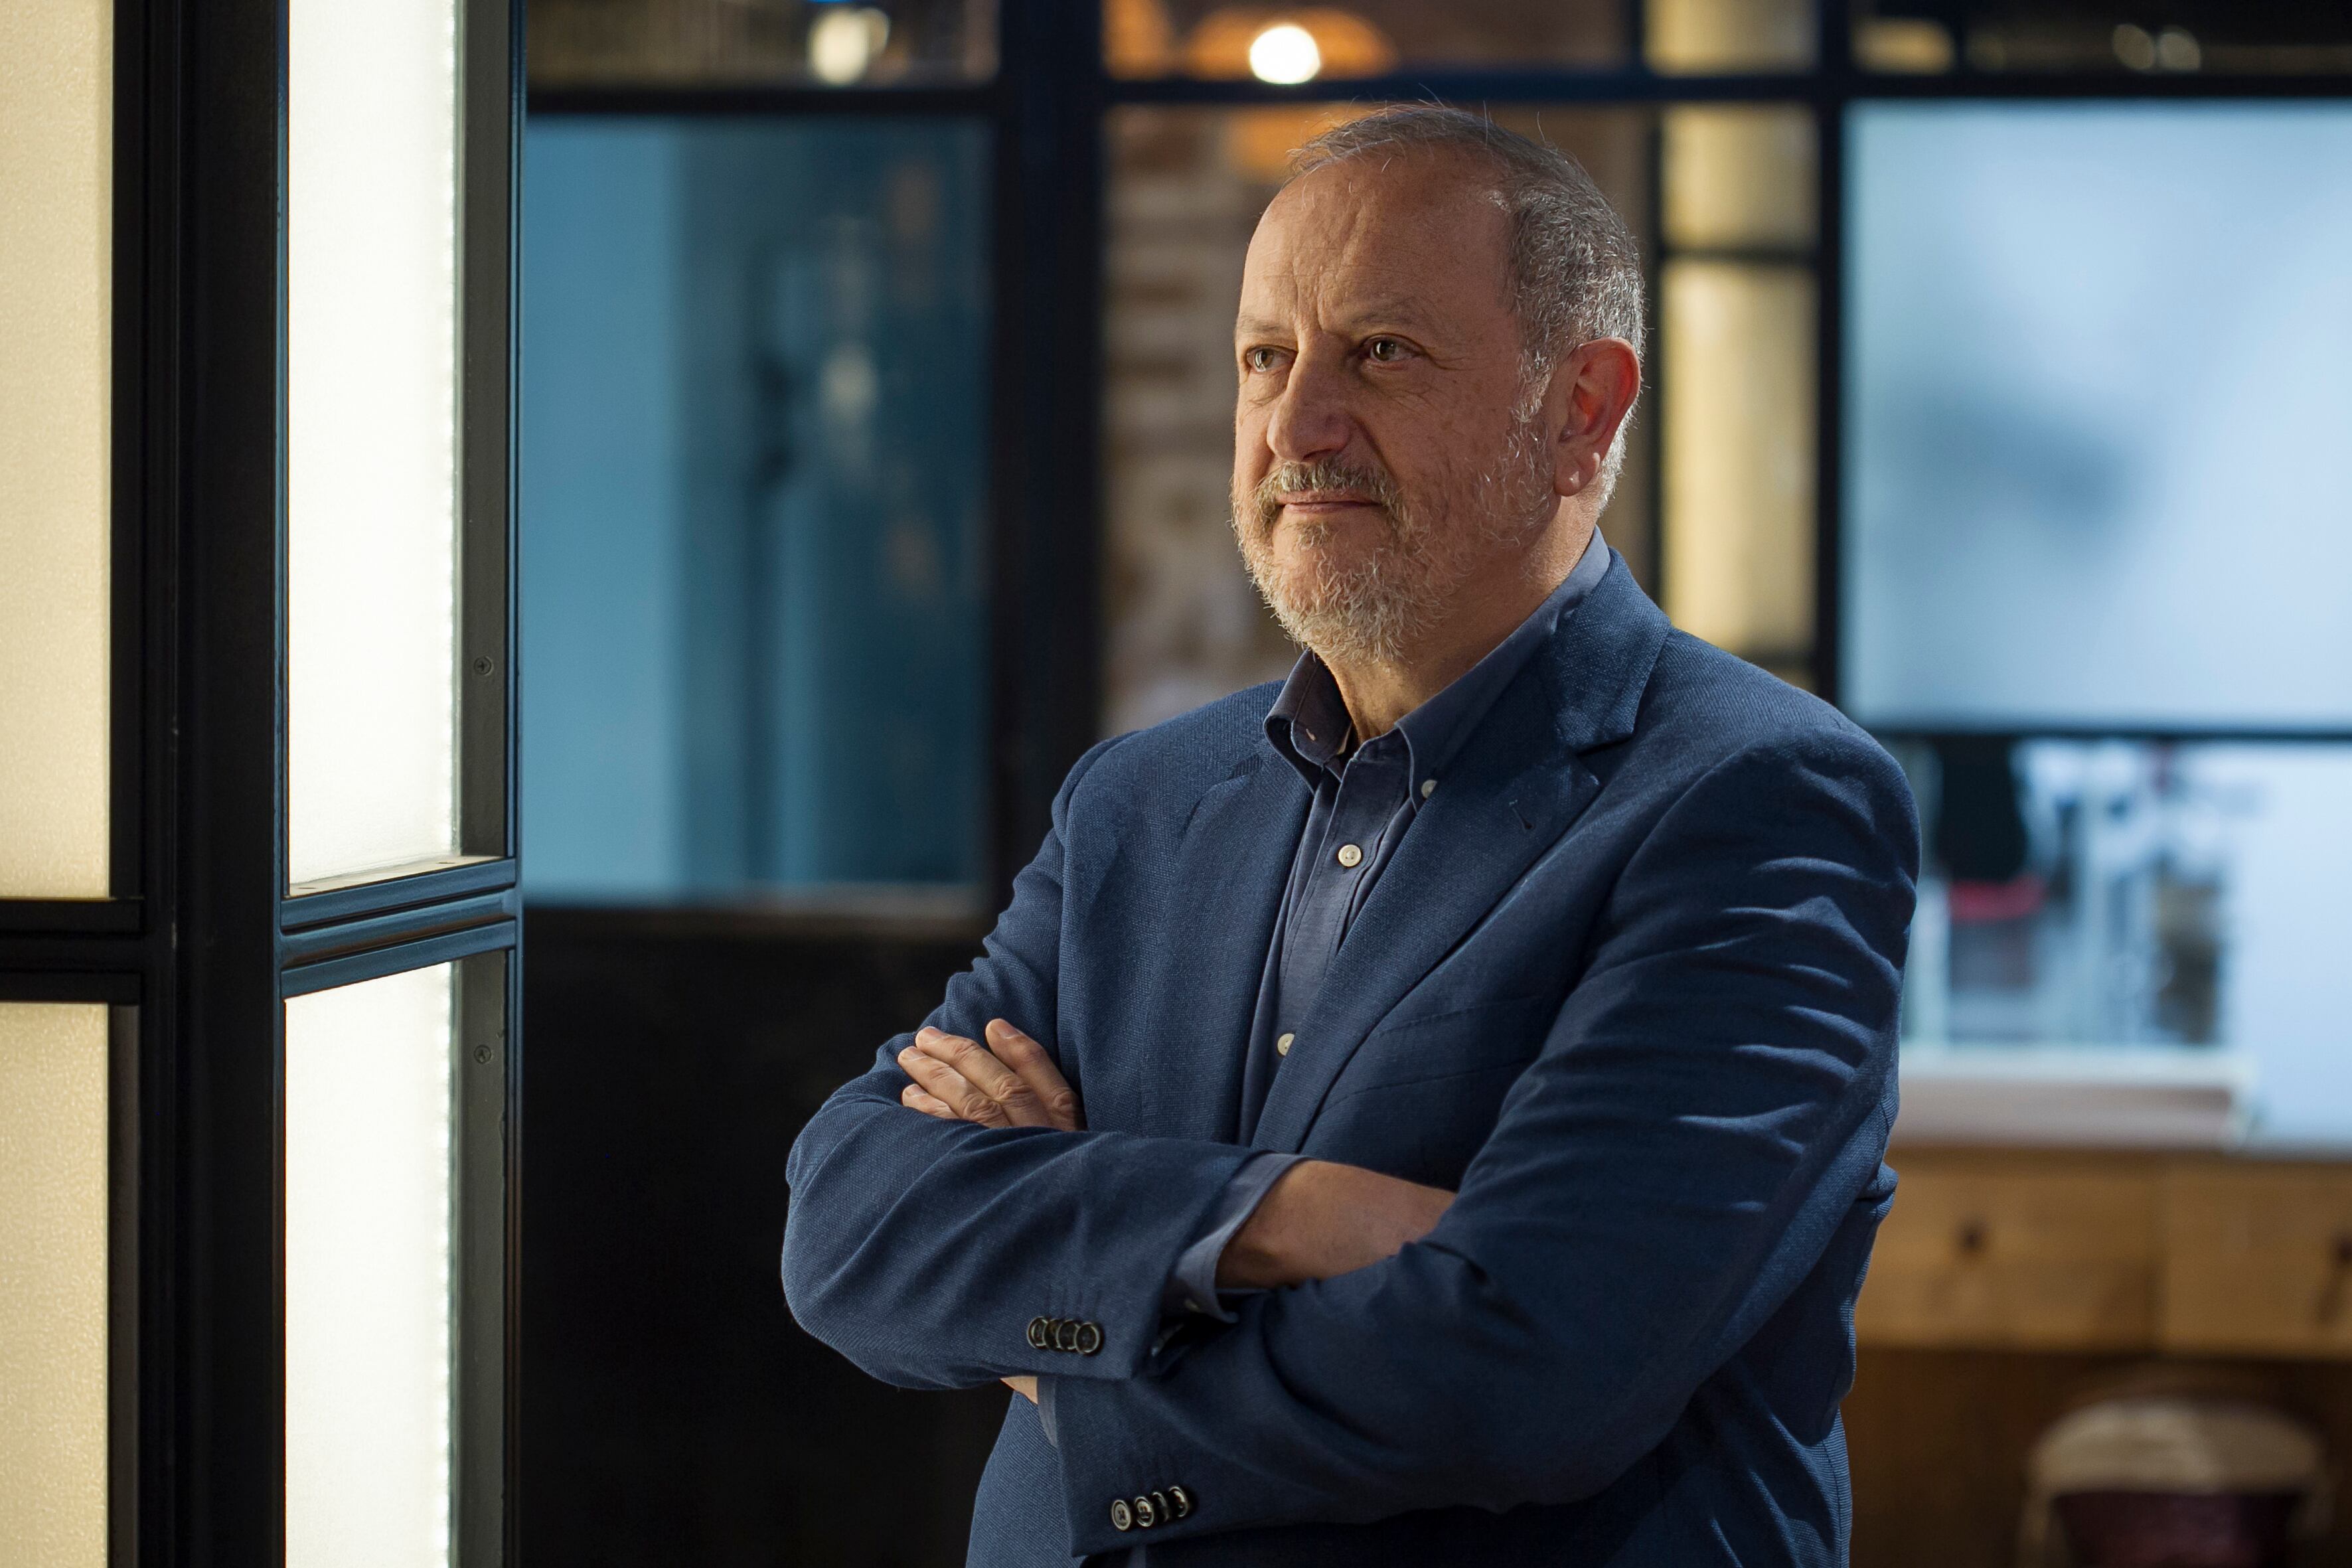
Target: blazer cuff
[1193,1283]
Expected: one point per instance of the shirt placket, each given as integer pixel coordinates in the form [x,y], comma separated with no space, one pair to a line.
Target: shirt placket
[1370,788]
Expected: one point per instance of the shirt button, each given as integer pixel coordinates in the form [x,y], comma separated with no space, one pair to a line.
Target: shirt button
[1428,789]
[1282,1045]
[1351,856]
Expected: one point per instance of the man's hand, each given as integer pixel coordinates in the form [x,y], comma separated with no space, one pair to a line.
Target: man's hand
[1322,1219]
[1009,1082]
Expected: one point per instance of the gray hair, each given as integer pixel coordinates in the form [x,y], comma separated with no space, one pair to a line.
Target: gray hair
[1574,271]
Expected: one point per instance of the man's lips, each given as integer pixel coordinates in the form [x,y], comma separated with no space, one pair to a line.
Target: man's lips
[1325,501]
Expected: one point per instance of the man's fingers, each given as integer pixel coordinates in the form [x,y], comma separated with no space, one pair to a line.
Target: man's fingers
[1026,1058]
[1021,1105]
[951,1088]
[914,1098]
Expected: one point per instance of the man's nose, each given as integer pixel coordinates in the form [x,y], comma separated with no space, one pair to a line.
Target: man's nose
[1310,418]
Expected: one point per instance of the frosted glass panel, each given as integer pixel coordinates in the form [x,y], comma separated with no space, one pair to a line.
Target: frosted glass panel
[56,149]
[1737,392]
[53,1286]
[369,1111]
[372,464]
[1737,176]
[2100,377]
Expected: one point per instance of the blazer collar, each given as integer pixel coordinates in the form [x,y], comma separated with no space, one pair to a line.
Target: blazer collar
[1511,793]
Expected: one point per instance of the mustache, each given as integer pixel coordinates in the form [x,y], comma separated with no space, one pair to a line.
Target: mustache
[1324,474]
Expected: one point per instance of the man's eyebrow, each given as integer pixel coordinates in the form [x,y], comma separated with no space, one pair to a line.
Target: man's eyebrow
[1396,310]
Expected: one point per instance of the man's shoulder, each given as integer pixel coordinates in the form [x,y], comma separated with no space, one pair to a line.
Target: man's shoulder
[1183,756]
[1710,707]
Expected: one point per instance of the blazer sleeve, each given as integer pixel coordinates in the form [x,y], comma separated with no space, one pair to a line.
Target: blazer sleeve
[1710,1103]
[923,1250]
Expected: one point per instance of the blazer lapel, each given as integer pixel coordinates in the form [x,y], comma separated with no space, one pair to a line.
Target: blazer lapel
[1515,789]
[1234,856]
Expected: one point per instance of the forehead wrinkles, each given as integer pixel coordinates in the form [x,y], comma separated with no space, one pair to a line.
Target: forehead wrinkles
[1329,243]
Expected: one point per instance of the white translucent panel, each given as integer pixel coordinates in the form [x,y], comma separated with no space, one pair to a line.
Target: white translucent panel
[53,1285]
[1738,176]
[1737,392]
[369,1394]
[56,150]
[2098,385]
[1730,34]
[372,411]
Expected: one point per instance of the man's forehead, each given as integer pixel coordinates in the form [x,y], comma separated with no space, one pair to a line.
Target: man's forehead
[1386,238]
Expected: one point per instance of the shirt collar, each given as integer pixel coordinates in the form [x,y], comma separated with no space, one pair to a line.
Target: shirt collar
[1309,722]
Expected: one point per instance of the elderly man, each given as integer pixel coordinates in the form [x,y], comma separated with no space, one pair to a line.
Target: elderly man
[1429,1112]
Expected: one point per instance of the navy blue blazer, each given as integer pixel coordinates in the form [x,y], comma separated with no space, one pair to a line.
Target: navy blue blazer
[1629,986]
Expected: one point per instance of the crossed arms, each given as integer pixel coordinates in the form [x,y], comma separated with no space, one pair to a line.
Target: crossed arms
[1706,1105]
[1320,1219]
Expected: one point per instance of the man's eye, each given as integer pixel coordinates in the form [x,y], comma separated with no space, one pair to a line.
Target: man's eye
[1259,359]
[1384,351]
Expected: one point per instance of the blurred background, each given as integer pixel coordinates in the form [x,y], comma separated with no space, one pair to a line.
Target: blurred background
[876,397]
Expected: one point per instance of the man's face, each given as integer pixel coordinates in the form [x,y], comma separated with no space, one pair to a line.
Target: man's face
[1382,465]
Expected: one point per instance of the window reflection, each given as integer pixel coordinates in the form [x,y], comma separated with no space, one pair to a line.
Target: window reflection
[754,492]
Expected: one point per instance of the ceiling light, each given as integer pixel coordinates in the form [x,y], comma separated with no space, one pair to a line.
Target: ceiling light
[844,41]
[1284,54]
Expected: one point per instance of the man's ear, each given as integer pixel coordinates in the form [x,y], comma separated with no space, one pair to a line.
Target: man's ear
[1590,397]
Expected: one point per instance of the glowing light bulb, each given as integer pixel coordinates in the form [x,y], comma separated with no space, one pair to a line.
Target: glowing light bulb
[1284,53]
[844,41]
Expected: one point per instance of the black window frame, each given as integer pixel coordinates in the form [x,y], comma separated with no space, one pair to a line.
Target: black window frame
[200,941]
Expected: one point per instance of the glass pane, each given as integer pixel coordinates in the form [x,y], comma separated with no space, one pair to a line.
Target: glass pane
[1183,625]
[56,179]
[1739,179]
[2100,371]
[754,505]
[52,1284]
[2128,899]
[815,43]
[372,460]
[1737,345]
[1321,43]
[2165,37]
[1692,36]
[370,1109]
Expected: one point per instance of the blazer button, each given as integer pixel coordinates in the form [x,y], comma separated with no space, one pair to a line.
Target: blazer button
[1146,1516]
[1090,1337]
[1180,1503]
[1041,1333]
[1122,1518]
[1161,1505]
[1066,1334]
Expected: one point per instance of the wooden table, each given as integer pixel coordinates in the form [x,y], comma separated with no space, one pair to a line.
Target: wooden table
[2008,1283]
